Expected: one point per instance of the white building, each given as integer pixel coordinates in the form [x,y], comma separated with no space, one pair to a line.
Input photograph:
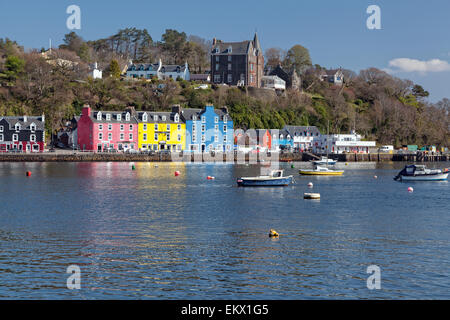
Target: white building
[341,143]
[273,82]
[162,72]
[95,72]
[303,136]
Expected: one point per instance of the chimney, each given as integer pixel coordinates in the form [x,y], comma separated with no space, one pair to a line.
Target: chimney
[176,109]
[214,41]
[43,117]
[25,118]
[86,111]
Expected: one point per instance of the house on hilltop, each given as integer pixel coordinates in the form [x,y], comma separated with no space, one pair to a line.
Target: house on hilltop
[237,63]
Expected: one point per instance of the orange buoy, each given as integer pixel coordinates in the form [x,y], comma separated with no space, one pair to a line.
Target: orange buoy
[210,178]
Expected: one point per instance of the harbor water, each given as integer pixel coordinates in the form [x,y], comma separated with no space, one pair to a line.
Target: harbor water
[144,233]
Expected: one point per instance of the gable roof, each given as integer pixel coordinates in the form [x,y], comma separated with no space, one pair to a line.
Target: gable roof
[300,130]
[24,125]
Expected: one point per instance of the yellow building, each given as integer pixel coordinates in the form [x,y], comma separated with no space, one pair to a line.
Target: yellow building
[161,131]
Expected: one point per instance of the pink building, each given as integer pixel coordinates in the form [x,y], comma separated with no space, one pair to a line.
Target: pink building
[102,130]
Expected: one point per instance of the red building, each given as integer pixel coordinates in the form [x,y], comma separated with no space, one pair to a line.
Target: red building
[104,130]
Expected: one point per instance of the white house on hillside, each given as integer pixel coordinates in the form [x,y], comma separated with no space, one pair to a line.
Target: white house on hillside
[162,72]
[95,72]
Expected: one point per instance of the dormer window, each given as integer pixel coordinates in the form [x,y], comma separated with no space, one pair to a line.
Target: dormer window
[108,117]
[178,69]
[225,119]
[176,118]
[216,119]
[203,119]
[145,117]
[194,117]
[163,118]
[127,117]
[99,116]
[17,127]
[230,49]
[133,68]
[155,118]
[141,68]
[119,117]
[1,128]
[33,127]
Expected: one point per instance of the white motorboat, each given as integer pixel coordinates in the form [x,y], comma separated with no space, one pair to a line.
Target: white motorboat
[324,161]
[421,173]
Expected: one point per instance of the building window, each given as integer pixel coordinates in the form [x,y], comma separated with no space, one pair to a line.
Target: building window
[179,127]
[131,127]
[100,127]
[144,137]
[122,136]
[251,66]
[216,119]
[109,127]
[225,139]
[33,138]
[225,128]
[203,119]
[217,57]
[163,118]
[217,78]
[17,127]
[127,117]
[99,116]
[229,68]
[1,137]
[167,136]
[203,128]
[203,138]
[216,128]
[194,117]
[179,137]
[100,136]
[156,137]
[177,118]
[15,137]
[108,117]
[145,127]
[155,118]
[251,78]
[131,136]
[217,67]
[194,137]
[230,78]
[156,127]
[229,58]
[119,117]
[1,128]
[216,138]
[168,127]
[110,136]
[145,117]
[33,127]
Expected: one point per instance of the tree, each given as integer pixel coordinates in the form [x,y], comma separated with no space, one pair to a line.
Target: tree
[298,59]
[419,92]
[173,43]
[114,69]
[274,57]
[14,67]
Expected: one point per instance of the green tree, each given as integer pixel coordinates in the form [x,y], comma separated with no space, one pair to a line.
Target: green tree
[14,67]
[298,59]
[114,69]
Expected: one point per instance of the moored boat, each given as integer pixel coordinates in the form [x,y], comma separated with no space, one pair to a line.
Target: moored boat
[325,161]
[421,173]
[275,179]
[321,171]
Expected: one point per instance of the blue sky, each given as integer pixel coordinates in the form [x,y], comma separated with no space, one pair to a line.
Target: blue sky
[335,32]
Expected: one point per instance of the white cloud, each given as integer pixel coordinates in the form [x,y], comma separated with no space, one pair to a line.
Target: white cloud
[414,65]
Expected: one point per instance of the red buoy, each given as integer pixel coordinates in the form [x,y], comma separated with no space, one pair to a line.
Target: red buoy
[177,173]
[28,173]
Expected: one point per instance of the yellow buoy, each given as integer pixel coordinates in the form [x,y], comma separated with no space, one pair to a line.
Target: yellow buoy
[273,233]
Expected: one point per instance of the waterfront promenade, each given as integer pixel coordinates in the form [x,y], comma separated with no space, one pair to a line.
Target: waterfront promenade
[77,156]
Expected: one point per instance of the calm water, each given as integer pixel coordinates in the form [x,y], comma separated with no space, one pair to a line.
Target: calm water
[147,234]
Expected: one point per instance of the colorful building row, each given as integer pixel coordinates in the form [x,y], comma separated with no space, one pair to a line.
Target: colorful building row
[204,129]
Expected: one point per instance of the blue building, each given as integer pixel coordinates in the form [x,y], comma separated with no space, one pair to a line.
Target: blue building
[208,129]
[281,140]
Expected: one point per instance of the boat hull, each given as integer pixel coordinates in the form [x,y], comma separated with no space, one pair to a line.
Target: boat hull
[319,173]
[278,182]
[322,163]
[431,177]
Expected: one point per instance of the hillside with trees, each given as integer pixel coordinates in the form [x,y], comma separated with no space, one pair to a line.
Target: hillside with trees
[374,103]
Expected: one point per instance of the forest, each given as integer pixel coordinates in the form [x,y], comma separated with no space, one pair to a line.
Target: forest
[372,102]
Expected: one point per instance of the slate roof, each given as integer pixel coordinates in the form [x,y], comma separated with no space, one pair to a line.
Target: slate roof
[113,117]
[25,125]
[169,117]
[239,48]
[300,130]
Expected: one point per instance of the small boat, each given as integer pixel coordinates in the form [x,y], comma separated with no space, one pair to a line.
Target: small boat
[321,171]
[421,173]
[275,178]
[325,161]
[311,196]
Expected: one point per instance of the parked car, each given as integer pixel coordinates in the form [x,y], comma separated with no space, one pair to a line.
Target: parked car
[389,149]
[131,151]
[111,150]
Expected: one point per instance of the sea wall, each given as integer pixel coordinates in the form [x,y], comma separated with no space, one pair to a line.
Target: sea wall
[213,157]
